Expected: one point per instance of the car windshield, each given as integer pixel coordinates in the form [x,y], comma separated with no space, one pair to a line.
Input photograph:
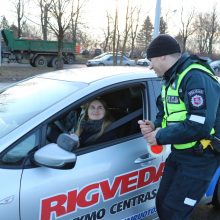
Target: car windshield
[23,101]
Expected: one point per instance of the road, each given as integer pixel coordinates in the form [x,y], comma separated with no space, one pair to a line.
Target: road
[205,212]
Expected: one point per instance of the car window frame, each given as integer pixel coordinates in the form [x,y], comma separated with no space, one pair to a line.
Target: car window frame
[27,163]
[153,93]
[99,92]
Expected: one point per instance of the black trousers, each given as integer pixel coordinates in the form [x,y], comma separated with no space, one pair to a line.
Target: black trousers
[183,185]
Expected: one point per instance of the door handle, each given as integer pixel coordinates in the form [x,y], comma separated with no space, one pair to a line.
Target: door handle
[144,158]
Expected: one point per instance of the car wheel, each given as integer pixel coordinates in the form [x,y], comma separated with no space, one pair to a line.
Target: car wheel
[216,197]
[101,64]
[145,64]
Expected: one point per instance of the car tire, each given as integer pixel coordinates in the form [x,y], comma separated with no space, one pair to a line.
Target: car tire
[216,196]
[101,64]
[145,64]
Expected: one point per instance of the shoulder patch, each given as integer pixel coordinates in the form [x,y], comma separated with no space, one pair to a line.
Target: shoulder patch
[197,99]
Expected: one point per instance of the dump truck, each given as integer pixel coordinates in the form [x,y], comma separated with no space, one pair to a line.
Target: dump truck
[38,53]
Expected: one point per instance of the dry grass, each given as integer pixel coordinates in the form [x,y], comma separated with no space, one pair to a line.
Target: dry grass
[15,73]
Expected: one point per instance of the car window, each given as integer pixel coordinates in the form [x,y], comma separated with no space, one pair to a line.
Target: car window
[15,155]
[110,58]
[124,105]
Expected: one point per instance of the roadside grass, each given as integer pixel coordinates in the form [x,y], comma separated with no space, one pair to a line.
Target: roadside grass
[11,73]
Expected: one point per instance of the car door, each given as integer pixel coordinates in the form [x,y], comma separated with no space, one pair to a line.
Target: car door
[11,169]
[109,61]
[117,179]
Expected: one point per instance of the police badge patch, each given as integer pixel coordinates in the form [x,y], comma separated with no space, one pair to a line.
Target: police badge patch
[197,99]
[173,99]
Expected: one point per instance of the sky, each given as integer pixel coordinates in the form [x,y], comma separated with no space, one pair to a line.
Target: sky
[94,14]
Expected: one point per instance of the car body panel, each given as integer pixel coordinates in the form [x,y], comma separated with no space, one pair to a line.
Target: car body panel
[9,196]
[91,175]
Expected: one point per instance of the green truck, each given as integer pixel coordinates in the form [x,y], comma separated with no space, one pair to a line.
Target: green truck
[39,53]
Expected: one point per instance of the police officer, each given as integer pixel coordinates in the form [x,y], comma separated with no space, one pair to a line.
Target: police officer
[187,119]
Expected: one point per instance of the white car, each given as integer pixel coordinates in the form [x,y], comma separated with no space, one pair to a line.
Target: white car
[45,176]
[107,60]
[143,62]
[216,66]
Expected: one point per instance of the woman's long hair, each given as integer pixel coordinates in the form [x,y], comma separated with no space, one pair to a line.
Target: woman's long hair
[107,120]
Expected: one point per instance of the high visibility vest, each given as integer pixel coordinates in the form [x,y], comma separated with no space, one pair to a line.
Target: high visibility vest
[175,109]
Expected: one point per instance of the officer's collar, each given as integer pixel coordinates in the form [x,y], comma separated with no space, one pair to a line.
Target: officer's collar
[176,68]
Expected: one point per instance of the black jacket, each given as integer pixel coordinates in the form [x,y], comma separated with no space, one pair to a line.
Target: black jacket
[195,83]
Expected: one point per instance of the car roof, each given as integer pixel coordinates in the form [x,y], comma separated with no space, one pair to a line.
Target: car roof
[92,74]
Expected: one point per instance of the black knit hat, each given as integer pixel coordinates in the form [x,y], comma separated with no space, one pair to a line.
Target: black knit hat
[163,44]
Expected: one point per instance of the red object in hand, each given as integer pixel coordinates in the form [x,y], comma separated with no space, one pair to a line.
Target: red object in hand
[156,149]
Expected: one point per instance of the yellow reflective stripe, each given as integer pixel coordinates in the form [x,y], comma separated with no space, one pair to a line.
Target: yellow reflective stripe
[184,146]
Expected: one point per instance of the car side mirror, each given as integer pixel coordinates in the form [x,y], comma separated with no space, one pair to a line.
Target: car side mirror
[58,156]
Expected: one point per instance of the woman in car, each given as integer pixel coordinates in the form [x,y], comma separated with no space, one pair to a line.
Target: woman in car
[93,124]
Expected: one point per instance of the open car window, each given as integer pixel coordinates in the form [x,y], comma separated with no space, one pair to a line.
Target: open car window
[125,106]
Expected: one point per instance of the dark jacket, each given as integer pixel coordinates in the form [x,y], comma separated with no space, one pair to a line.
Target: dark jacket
[90,131]
[209,109]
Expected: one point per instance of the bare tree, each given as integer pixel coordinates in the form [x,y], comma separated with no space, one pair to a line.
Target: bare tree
[75,15]
[214,29]
[20,8]
[59,23]
[44,9]
[114,39]
[207,31]
[134,28]
[107,33]
[129,12]
[187,28]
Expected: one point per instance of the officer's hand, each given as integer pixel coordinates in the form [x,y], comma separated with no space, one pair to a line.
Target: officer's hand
[151,137]
[146,126]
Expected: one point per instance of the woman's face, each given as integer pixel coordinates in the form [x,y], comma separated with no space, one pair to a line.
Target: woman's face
[96,110]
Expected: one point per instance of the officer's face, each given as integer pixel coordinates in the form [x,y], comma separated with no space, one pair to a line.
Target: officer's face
[157,64]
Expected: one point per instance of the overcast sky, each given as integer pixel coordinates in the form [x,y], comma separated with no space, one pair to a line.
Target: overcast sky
[95,11]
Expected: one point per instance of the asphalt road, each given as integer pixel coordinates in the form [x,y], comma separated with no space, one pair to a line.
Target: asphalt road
[205,212]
